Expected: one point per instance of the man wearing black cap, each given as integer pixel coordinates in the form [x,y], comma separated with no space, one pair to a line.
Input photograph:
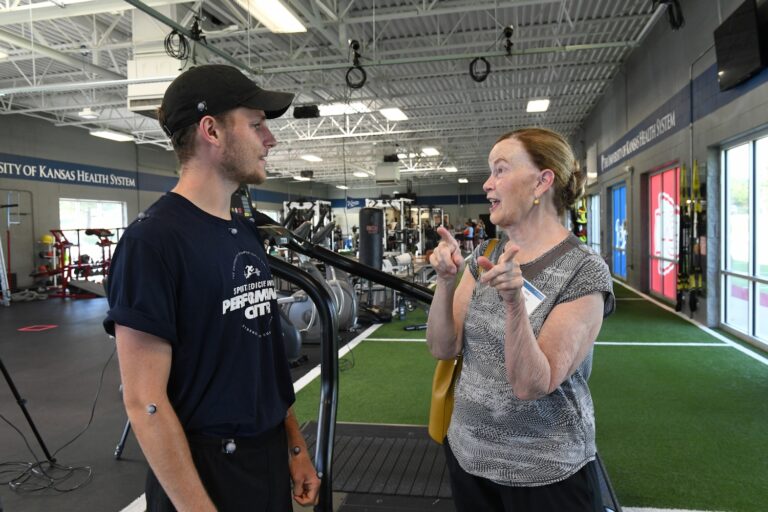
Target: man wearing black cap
[193,308]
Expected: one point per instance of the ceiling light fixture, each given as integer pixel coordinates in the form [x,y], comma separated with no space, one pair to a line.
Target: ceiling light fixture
[338,109]
[451,169]
[393,114]
[274,15]
[342,187]
[360,174]
[430,151]
[311,158]
[301,178]
[463,180]
[87,113]
[112,135]
[3,54]
[540,105]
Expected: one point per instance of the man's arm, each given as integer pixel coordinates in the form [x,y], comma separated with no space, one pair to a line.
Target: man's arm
[306,484]
[145,364]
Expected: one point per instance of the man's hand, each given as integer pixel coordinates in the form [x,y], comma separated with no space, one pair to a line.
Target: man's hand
[505,276]
[446,258]
[306,484]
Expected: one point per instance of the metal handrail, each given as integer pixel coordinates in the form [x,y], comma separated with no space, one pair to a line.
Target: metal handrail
[329,365]
[329,373]
[283,236]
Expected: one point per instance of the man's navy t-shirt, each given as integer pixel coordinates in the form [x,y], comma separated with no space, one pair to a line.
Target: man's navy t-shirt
[203,284]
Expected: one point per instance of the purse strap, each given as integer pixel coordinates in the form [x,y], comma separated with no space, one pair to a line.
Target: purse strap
[487,253]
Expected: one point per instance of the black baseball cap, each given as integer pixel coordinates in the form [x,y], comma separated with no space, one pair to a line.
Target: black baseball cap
[213,89]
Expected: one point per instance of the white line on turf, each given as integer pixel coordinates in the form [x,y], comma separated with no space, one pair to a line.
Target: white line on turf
[612,343]
[661,344]
[140,503]
[137,505]
[704,328]
[417,340]
[315,372]
[643,509]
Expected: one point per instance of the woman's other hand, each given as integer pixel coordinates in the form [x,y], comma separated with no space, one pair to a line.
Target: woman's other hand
[505,276]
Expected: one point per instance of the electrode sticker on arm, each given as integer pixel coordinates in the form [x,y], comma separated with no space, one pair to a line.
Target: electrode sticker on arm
[533,296]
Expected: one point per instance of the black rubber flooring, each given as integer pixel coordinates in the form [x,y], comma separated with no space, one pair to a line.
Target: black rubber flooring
[398,467]
[386,459]
[56,370]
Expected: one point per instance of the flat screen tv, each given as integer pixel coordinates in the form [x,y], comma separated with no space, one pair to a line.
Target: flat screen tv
[739,45]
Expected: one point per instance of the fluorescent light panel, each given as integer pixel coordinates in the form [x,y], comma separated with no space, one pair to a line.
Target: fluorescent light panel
[109,134]
[451,169]
[360,174]
[87,113]
[540,105]
[300,178]
[273,15]
[463,180]
[342,187]
[339,109]
[3,54]
[311,158]
[430,151]
[393,114]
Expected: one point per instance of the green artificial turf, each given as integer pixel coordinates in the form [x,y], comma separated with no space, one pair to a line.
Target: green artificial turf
[644,321]
[394,329]
[677,427]
[622,292]
[390,382]
[683,427]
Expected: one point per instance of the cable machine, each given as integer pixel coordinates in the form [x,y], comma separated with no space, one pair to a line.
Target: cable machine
[403,232]
[318,212]
[428,218]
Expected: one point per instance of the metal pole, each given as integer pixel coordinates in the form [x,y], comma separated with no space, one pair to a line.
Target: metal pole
[22,404]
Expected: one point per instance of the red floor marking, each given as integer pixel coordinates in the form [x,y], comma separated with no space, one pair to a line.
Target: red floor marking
[36,328]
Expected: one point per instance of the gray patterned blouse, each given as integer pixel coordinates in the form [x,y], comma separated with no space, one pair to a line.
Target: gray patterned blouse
[493,434]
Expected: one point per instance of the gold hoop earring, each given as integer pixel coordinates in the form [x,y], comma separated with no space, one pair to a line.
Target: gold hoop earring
[536,200]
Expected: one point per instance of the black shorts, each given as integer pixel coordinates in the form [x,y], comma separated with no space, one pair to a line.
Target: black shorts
[579,492]
[254,477]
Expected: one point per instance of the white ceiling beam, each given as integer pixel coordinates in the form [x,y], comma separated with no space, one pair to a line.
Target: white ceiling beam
[470,6]
[23,14]
[56,55]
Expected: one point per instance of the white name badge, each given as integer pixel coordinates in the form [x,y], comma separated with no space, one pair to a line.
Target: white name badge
[532,295]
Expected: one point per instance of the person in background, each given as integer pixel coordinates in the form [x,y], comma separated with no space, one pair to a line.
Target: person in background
[206,381]
[479,233]
[522,433]
[469,235]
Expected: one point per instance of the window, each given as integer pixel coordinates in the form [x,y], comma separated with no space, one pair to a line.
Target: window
[593,222]
[744,273]
[77,215]
[664,223]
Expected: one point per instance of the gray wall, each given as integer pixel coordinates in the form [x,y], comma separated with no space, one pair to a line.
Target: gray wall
[34,138]
[654,72]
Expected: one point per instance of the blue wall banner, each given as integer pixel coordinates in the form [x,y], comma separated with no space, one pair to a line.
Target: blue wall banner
[619,220]
[675,114]
[38,169]
[670,118]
